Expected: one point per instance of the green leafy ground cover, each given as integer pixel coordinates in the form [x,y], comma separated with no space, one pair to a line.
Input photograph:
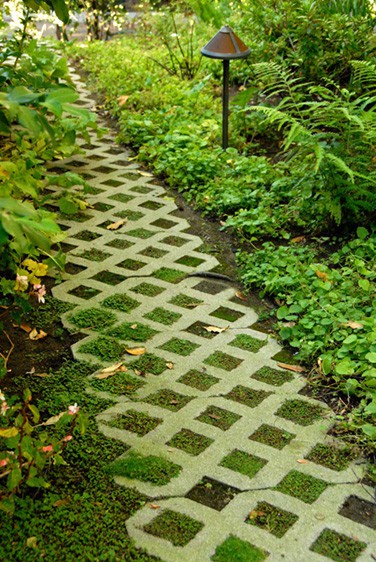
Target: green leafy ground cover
[297,184]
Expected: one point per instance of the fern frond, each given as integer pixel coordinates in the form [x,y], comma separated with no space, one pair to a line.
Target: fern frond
[364,76]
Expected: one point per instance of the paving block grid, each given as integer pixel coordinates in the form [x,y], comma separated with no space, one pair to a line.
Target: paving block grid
[212,404]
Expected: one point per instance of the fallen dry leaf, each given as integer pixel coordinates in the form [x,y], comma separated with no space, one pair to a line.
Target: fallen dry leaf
[295,368]
[136,350]
[134,327]
[64,501]
[154,506]
[116,225]
[25,327]
[114,367]
[111,371]
[145,174]
[353,325]
[298,239]
[31,542]
[322,275]
[122,100]
[41,375]
[35,335]
[254,514]
[169,365]
[214,416]
[302,461]
[174,402]
[137,372]
[240,296]
[215,329]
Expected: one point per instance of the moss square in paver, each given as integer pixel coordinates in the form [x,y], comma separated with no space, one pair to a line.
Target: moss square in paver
[248,343]
[140,188]
[234,549]
[87,235]
[169,275]
[302,486]
[121,302]
[218,417]
[84,292]
[175,527]
[190,261]
[149,363]
[227,314]
[119,244]
[108,277]
[102,207]
[94,255]
[330,456]
[152,252]
[185,301]
[132,176]
[121,383]
[223,361]
[175,241]
[181,347]
[163,316]
[164,223]
[107,349]
[243,462]
[247,396]
[198,379]
[122,197]
[135,421]
[337,546]
[129,214]
[133,265]
[78,217]
[272,376]
[93,318]
[132,331]
[142,233]
[199,329]
[212,493]
[272,436]
[151,205]
[168,399]
[148,289]
[190,442]
[151,468]
[299,411]
[272,519]
[112,183]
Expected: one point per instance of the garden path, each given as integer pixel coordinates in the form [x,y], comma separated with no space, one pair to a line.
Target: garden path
[237,460]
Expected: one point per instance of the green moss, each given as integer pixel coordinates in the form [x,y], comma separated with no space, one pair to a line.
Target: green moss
[86,235]
[330,456]
[168,274]
[150,363]
[218,417]
[247,396]
[272,376]
[163,316]
[272,436]
[119,244]
[94,255]
[102,207]
[108,277]
[130,215]
[151,468]
[190,442]
[198,379]
[243,462]
[103,347]
[175,241]
[190,261]
[152,252]
[227,314]
[272,519]
[185,301]
[223,361]
[93,318]
[121,302]
[181,347]
[151,205]
[199,329]
[302,486]
[299,411]
[135,421]
[138,188]
[132,331]
[175,527]
[337,546]
[45,317]
[248,343]
[121,383]
[168,399]
[142,233]
[148,289]
[122,197]
[84,292]
[132,265]
[237,550]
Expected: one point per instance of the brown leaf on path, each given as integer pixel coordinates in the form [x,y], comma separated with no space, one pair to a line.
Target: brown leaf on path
[215,329]
[145,174]
[116,225]
[114,367]
[302,461]
[35,335]
[25,327]
[353,325]
[136,350]
[154,506]
[169,365]
[240,296]
[214,416]
[253,514]
[122,100]
[295,368]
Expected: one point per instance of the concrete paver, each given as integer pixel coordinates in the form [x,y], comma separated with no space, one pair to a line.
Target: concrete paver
[209,396]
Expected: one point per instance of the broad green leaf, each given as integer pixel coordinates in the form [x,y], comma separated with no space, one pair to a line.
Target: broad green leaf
[34,410]
[371,356]
[61,10]
[62,95]
[362,232]
[20,94]
[345,367]
[369,430]
[14,478]
[282,312]
[8,432]
[67,206]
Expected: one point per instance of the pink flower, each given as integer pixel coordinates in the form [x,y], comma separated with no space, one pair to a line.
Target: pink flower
[4,462]
[4,408]
[40,291]
[67,438]
[47,449]
[72,410]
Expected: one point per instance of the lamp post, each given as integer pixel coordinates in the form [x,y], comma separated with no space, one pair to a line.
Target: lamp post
[225,45]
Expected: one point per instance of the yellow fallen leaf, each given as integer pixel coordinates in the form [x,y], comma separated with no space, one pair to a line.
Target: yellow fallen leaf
[253,514]
[41,375]
[122,100]
[114,367]
[136,350]
[25,327]
[116,225]
[295,368]
[302,461]
[215,329]
[35,335]
[353,325]
[31,542]
[154,506]
[240,296]
[137,372]
[298,239]
[169,365]
[134,327]
[8,432]
[145,174]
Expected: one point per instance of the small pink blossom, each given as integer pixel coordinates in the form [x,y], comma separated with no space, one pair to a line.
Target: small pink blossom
[47,449]
[4,462]
[4,408]
[72,410]
[67,438]
[40,291]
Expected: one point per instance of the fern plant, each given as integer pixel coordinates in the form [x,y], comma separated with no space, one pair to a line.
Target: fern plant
[329,134]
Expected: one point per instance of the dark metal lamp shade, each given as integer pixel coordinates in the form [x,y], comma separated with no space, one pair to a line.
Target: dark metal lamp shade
[225,45]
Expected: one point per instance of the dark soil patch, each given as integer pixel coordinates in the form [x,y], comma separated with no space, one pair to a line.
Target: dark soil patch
[359,510]
[212,493]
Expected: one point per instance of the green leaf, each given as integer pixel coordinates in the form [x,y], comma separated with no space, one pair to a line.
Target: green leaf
[67,206]
[282,312]
[326,366]
[20,94]
[345,367]
[61,10]
[14,478]
[27,395]
[371,356]
[364,284]
[7,505]
[369,430]
[351,386]
[8,432]
[362,232]
[285,333]
[34,410]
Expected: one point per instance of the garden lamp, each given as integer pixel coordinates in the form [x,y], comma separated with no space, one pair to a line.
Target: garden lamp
[225,45]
